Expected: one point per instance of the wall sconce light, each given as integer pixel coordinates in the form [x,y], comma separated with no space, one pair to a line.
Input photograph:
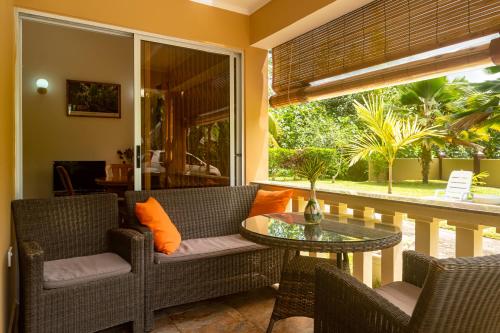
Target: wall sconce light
[41,86]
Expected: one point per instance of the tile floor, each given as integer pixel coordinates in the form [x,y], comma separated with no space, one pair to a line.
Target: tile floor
[247,312]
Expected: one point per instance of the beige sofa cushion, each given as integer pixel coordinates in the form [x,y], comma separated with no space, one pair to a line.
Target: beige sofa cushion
[68,272]
[402,294]
[199,248]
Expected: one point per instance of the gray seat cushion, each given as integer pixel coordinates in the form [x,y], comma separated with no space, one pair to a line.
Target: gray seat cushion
[402,294]
[68,272]
[199,248]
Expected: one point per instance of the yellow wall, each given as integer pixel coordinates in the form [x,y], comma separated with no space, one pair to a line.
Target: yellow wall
[278,14]
[174,18]
[493,167]
[410,169]
[256,124]
[451,164]
[6,145]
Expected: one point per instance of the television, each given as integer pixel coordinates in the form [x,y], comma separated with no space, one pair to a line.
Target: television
[82,175]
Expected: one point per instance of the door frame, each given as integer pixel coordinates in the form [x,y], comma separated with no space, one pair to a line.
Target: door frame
[235,105]
[21,14]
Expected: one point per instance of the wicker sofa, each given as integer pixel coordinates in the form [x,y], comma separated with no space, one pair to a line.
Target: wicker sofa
[213,259]
[79,272]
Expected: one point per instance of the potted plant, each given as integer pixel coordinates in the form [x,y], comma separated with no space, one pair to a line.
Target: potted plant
[126,156]
[312,168]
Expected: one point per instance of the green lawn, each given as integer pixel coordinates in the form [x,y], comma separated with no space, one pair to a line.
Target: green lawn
[413,188]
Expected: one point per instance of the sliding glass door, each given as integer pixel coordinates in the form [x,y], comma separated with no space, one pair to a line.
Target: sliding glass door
[187,117]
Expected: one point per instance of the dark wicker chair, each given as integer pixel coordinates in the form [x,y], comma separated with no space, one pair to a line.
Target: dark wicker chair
[69,227]
[201,213]
[459,295]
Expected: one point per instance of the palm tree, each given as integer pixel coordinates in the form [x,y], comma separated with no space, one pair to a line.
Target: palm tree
[386,133]
[429,97]
[481,113]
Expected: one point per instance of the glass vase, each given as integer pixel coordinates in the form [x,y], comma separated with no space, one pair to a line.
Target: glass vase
[312,232]
[312,212]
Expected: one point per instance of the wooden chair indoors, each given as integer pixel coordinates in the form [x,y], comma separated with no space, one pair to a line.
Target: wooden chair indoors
[65,180]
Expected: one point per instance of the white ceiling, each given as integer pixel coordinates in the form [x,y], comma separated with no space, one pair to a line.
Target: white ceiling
[246,7]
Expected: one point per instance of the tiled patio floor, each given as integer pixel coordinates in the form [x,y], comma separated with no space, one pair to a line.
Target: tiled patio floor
[247,312]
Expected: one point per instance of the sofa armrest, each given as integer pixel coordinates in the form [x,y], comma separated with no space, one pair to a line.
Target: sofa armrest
[148,240]
[31,258]
[343,304]
[129,244]
[415,267]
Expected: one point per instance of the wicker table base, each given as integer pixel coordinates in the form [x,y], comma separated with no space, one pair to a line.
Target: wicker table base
[296,290]
[290,231]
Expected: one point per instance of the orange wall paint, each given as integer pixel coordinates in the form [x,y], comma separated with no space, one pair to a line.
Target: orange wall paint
[256,123]
[265,21]
[6,146]
[176,18]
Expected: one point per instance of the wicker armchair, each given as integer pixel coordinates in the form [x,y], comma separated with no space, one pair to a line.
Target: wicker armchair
[459,295]
[65,229]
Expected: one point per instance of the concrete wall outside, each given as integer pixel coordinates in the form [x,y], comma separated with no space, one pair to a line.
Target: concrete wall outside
[410,169]
[451,164]
[493,168]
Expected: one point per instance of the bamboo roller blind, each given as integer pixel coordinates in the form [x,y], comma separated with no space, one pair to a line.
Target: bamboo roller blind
[378,32]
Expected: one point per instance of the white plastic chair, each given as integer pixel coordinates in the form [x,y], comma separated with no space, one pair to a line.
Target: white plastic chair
[458,188]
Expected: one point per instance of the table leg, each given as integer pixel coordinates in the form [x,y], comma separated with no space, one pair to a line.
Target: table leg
[295,295]
[343,262]
[339,260]
[271,325]
[286,259]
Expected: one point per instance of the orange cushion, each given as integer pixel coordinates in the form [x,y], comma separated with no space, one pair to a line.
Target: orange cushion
[166,236]
[267,202]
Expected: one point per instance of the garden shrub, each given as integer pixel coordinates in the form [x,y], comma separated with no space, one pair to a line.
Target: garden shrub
[357,173]
[279,159]
[282,163]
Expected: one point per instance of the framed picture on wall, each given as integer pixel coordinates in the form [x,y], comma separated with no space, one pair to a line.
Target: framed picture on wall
[93,99]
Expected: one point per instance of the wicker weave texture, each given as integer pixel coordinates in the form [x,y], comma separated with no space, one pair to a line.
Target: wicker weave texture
[90,223]
[201,213]
[458,296]
[79,224]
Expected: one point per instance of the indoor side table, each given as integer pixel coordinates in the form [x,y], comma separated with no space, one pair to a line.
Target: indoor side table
[334,234]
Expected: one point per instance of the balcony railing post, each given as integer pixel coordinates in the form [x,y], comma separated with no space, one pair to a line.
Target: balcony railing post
[427,236]
[338,209]
[392,258]
[298,204]
[469,240]
[362,262]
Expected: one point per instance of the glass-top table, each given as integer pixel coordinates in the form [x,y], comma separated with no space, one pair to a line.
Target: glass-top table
[334,234]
